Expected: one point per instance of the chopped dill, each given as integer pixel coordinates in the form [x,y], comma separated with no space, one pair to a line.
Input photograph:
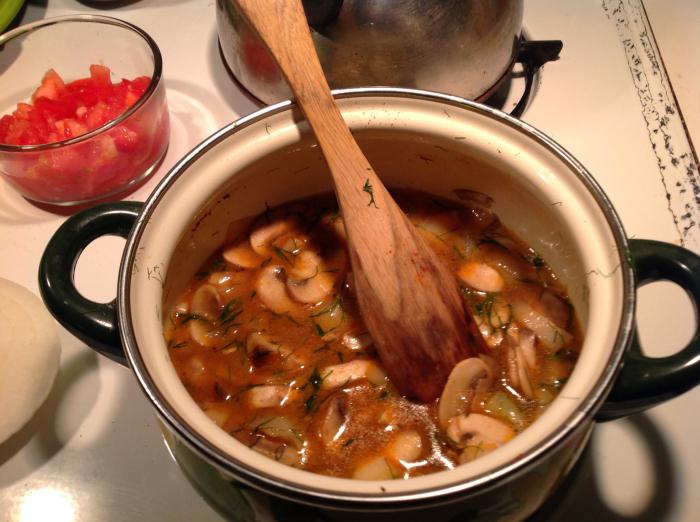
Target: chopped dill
[334,215]
[285,256]
[335,304]
[367,187]
[486,310]
[291,319]
[537,261]
[232,310]
[191,317]
[315,380]
[489,240]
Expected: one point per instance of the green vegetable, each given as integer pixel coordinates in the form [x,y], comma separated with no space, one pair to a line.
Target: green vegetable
[367,187]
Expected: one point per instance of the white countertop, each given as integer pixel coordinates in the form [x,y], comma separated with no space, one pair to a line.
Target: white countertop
[94,451]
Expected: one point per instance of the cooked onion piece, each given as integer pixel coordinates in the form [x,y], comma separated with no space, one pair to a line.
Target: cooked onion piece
[481,276]
[29,356]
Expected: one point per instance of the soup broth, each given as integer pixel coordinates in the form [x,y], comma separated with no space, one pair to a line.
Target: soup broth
[268,340]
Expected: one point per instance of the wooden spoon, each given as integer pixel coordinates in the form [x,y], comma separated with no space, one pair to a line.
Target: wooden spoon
[409,300]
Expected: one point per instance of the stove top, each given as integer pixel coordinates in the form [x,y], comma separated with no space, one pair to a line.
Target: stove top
[622,97]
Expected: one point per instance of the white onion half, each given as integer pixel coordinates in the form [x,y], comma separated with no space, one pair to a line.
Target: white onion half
[29,356]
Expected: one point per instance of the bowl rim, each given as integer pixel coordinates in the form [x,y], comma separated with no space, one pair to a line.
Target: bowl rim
[389,500]
[153,83]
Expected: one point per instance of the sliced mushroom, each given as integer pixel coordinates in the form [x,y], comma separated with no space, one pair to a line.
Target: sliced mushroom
[481,276]
[552,337]
[265,232]
[203,332]
[507,260]
[224,278]
[206,302]
[480,430]
[521,360]
[242,255]
[526,344]
[340,374]
[307,264]
[309,280]
[294,246]
[269,395]
[334,420]
[272,291]
[466,379]
[357,342]
[279,451]
[259,347]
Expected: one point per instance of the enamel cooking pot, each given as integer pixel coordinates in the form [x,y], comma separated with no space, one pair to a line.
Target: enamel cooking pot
[461,47]
[431,142]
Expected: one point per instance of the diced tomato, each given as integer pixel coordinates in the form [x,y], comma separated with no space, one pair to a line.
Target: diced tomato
[52,86]
[83,105]
[100,165]
[100,76]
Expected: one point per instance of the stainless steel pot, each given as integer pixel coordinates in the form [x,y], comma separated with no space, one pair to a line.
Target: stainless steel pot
[461,47]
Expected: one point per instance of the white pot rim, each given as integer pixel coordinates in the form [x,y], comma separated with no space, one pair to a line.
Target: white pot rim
[332,491]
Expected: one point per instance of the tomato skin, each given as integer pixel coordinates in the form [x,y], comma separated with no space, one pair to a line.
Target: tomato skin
[87,169]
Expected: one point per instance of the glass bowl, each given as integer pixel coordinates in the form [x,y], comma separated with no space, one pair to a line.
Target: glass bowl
[105,161]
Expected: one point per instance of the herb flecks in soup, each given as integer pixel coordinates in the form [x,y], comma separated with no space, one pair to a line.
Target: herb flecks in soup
[268,340]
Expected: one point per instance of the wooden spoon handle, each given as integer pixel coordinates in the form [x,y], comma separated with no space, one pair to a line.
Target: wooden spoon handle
[408,298]
[311,90]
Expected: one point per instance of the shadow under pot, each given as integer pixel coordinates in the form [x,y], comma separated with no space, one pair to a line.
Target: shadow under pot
[442,145]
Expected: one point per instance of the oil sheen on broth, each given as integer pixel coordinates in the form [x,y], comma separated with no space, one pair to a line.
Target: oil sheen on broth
[268,340]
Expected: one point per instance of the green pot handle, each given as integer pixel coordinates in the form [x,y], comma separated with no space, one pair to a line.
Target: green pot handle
[645,381]
[96,324]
